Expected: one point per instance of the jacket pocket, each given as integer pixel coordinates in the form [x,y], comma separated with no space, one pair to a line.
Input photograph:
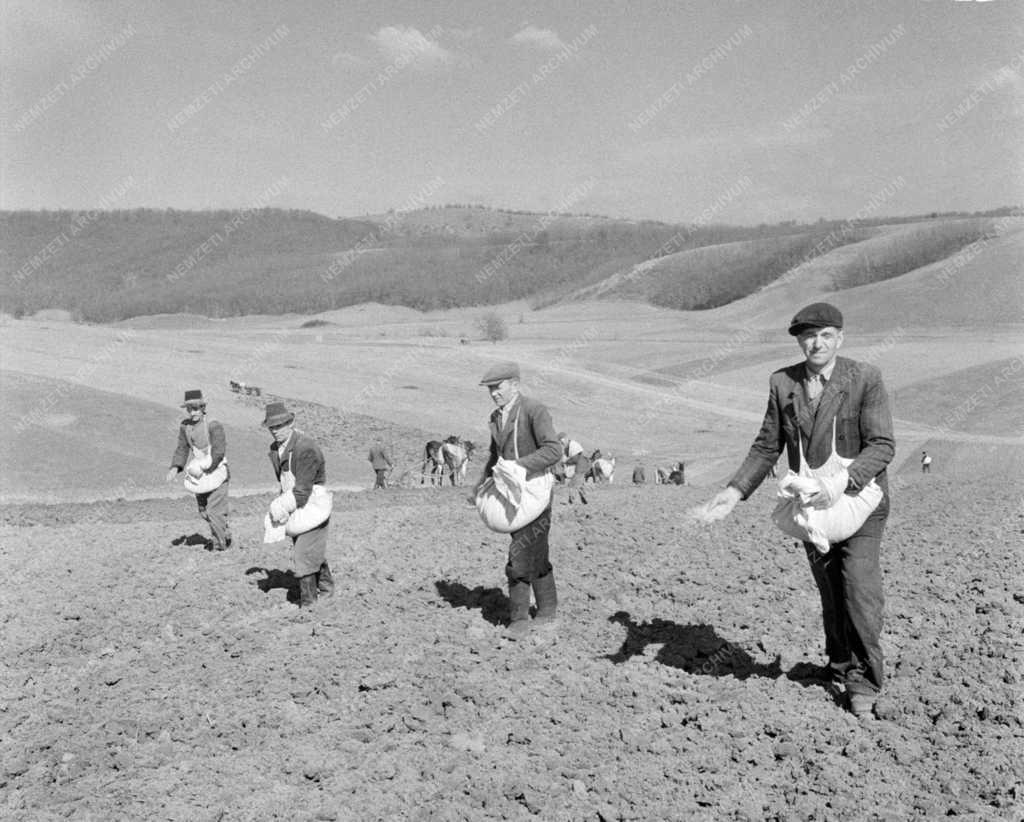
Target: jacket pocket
[847,436]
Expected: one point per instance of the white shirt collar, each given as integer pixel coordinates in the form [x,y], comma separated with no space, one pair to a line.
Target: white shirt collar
[825,373]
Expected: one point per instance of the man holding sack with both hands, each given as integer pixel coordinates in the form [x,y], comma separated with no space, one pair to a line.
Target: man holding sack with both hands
[514,495]
[832,415]
[303,509]
[201,455]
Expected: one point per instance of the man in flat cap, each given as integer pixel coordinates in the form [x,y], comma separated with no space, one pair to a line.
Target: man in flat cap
[201,451]
[830,402]
[302,473]
[521,430]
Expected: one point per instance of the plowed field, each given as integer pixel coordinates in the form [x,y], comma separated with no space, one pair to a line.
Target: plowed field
[147,678]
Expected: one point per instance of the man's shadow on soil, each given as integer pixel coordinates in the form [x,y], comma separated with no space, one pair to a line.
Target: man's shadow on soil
[274,579]
[193,540]
[492,602]
[696,649]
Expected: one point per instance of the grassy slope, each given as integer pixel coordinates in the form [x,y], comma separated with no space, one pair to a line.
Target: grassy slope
[70,437]
[821,260]
[985,399]
[124,264]
[980,284]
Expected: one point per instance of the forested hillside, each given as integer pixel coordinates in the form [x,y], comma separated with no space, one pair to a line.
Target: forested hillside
[106,266]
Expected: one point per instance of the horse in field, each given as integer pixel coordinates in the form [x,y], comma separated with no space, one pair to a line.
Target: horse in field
[433,463]
[450,456]
[456,455]
[602,468]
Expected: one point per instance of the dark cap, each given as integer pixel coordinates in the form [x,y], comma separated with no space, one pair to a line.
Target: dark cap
[193,397]
[815,315]
[276,415]
[499,372]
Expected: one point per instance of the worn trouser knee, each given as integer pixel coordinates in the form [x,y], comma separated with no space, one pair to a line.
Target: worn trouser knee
[528,551]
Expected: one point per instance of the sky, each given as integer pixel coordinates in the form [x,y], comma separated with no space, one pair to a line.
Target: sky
[709,111]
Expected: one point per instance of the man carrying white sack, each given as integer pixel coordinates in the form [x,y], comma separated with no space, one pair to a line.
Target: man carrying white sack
[200,454]
[829,410]
[303,508]
[524,448]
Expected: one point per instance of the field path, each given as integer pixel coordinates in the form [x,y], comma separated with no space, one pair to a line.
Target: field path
[904,428]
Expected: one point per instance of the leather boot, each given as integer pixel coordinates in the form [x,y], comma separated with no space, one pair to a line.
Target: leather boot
[519,610]
[324,580]
[307,591]
[547,599]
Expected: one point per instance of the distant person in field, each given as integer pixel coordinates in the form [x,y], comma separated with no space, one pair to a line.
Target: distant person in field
[570,448]
[302,473]
[578,466]
[926,463]
[573,467]
[201,454]
[821,408]
[381,462]
[677,476]
[639,475]
[521,430]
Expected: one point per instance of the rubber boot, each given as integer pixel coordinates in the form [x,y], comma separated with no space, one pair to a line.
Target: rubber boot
[547,599]
[519,610]
[324,580]
[307,591]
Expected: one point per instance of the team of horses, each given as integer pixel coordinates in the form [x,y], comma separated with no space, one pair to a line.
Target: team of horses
[450,458]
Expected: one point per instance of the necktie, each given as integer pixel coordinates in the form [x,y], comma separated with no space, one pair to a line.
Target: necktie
[814,388]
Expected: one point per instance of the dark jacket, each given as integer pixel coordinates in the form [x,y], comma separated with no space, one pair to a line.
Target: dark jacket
[190,434]
[306,461]
[539,447]
[379,458]
[854,397]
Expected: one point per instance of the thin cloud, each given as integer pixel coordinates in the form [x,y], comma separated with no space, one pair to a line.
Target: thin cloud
[343,58]
[544,39]
[461,34]
[408,44]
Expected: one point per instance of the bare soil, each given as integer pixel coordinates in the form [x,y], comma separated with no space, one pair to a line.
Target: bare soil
[148,678]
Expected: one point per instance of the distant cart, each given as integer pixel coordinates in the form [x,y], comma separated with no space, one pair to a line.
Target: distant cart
[243,388]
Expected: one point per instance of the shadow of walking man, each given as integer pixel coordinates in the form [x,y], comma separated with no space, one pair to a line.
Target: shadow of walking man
[492,602]
[274,579]
[696,649]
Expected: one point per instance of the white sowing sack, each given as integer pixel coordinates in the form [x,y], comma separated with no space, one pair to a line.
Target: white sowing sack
[315,512]
[281,507]
[272,532]
[509,479]
[501,513]
[821,527]
[205,482]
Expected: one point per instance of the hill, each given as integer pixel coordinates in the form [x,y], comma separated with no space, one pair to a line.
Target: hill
[108,266]
[475,221]
[819,259]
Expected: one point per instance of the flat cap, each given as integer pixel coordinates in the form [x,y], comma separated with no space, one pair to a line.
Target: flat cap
[815,315]
[500,371]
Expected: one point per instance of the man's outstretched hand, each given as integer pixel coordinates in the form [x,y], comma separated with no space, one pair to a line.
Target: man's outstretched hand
[718,507]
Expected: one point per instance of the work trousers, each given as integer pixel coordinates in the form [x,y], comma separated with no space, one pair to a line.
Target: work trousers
[849,580]
[310,549]
[528,552]
[380,483]
[213,507]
